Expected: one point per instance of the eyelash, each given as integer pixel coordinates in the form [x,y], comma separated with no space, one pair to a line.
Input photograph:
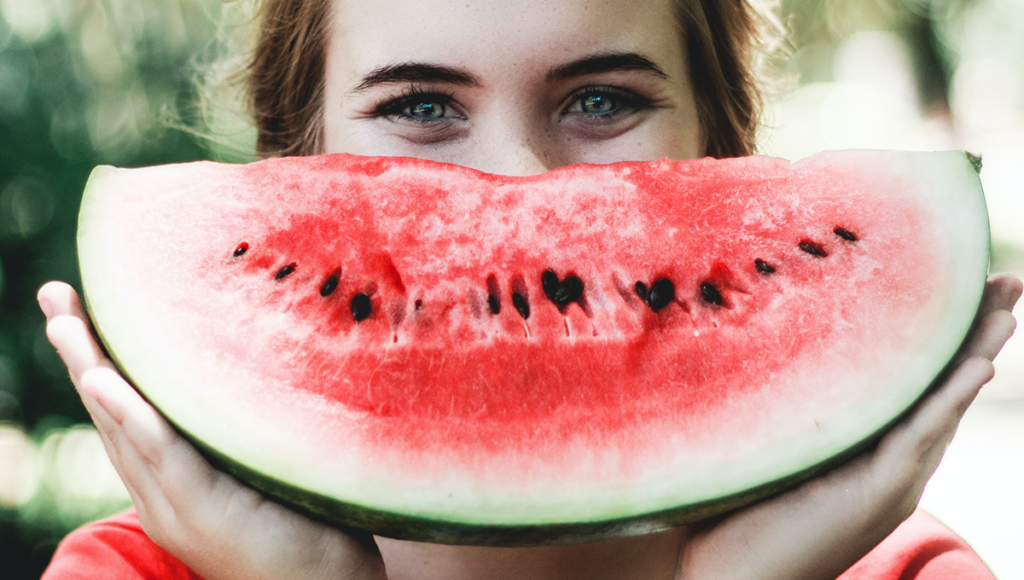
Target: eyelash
[395,106]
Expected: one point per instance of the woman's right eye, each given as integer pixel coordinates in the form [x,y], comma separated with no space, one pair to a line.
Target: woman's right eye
[428,110]
[419,107]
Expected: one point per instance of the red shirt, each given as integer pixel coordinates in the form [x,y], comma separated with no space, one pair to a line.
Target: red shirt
[117,549]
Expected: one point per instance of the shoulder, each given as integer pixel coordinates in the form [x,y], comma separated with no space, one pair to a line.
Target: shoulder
[922,548]
[115,547]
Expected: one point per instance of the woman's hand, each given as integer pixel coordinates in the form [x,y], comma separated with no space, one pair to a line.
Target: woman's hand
[218,527]
[823,527]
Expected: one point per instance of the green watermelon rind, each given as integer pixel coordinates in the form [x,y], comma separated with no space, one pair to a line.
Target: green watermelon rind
[515,527]
[345,515]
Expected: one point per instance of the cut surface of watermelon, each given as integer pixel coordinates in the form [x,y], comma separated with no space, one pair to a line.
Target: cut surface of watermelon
[434,353]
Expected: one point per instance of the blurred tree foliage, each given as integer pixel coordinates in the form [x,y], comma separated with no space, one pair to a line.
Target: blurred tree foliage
[819,26]
[82,83]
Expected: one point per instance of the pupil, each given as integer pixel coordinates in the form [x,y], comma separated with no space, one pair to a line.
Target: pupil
[428,110]
[597,104]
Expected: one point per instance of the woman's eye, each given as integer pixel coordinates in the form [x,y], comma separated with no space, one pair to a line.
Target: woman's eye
[427,110]
[598,104]
[605,102]
[418,107]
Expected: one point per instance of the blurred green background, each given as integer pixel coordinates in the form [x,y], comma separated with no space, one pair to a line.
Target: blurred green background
[87,82]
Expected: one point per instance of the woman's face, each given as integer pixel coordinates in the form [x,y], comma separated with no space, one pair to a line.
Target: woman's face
[509,86]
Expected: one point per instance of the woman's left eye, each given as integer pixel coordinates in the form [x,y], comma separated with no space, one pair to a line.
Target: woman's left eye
[598,104]
[605,102]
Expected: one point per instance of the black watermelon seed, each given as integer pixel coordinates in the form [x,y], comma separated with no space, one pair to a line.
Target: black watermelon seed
[845,234]
[549,282]
[284,271]
[561,293]
[569,290]
[492,294]
[662,293]
[813,249]
[522,306]
[241,249]
[361,307]
[641,290]
[330,284]
[710,293]
[764,267]
[419,304]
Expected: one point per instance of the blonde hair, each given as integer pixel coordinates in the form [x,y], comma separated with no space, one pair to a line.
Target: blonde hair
[727,43]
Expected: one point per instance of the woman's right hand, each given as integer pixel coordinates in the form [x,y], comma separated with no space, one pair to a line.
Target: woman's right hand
[218,527]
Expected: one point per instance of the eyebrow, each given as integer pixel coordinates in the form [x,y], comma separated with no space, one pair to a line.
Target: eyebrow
[416,73]
[605,62]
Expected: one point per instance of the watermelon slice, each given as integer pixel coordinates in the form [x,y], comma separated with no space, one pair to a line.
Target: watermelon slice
[429,352]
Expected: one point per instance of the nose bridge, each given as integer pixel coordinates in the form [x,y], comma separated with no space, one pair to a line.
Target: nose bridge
[515,146]
[527,157]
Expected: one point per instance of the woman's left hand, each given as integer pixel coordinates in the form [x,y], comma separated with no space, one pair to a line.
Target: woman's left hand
[823,527]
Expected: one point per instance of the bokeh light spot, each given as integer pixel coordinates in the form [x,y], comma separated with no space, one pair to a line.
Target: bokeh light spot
[18,472]
[986,95]
[860,116]
[14,83]
[26,207]
[879,60]
[117,121]
[10,382]
[102,58]
[32,20]
[78,469]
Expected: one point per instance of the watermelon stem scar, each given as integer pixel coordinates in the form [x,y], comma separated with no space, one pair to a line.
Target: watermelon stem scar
[428,352]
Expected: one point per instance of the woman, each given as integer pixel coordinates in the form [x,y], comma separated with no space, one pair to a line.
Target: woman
[515,88]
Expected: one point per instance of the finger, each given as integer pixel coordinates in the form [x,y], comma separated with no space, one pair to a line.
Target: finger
[182,475]
[1002,291]
[146,494]
[102,392]
[989,335]
[76,347]
[112,441]
[926,433]
[58,299]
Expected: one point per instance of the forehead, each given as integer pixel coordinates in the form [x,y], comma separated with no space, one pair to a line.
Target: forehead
[497,36]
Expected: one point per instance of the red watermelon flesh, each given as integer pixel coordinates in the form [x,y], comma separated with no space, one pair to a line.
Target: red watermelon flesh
[429,351]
